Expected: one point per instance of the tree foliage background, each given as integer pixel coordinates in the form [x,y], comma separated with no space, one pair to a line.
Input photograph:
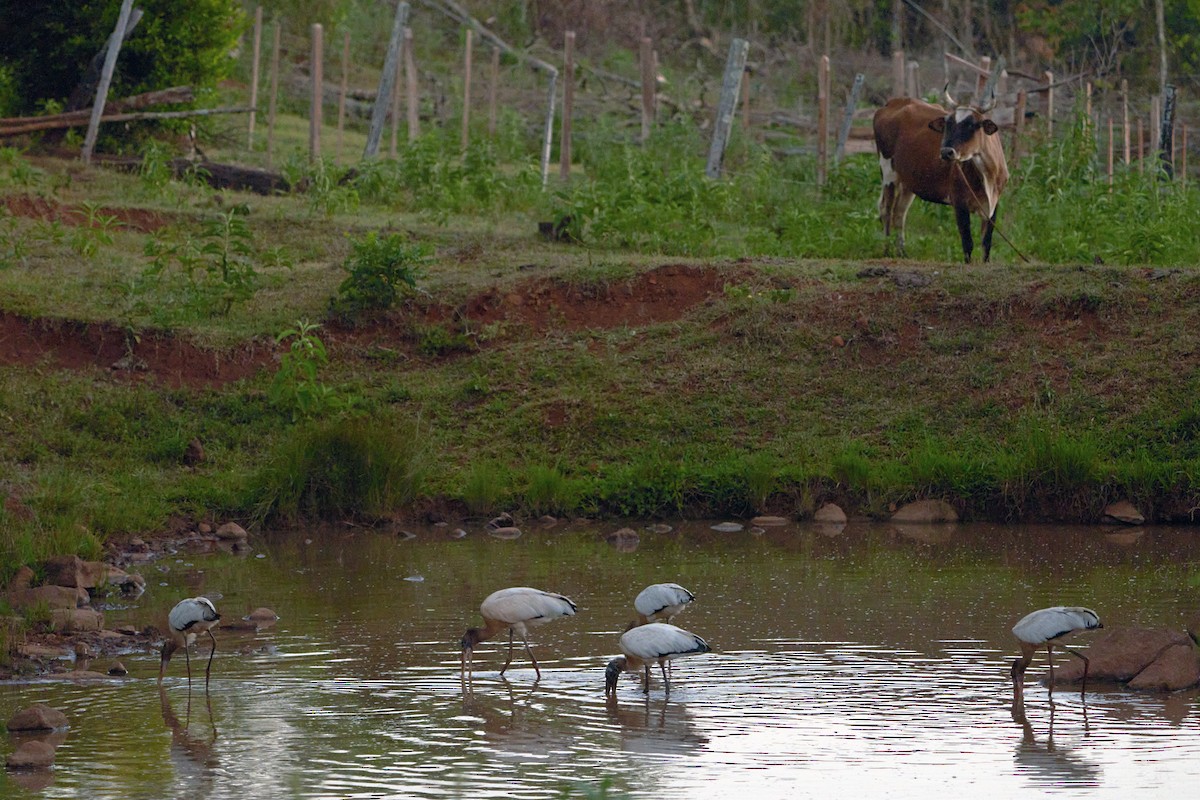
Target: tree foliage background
[47,45]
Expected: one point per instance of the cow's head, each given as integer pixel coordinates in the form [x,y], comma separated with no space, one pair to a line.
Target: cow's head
[963,129]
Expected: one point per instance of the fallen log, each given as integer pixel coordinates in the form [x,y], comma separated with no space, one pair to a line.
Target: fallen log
[216,175]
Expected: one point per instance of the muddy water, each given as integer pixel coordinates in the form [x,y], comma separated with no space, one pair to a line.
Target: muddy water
[862,663]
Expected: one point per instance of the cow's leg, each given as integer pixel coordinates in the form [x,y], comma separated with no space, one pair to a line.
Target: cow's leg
[887,201]
[904,201]
[963,216]
[989,225]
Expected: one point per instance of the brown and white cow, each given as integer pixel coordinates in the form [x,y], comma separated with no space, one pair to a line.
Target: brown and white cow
[950,157]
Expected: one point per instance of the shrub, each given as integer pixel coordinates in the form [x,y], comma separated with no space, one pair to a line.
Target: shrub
[380,270]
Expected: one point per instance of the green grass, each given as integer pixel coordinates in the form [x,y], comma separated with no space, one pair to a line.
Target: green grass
[1014,390]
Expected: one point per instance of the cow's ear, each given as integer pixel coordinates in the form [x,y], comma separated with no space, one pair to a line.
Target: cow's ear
[937,124]
[990,127]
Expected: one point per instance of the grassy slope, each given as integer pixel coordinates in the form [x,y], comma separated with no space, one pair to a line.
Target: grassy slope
[1013,390]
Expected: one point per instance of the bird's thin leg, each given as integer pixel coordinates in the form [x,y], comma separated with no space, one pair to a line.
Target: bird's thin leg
[187,659]
[529,652]
[1050,659]
[211,653]
[1083,686]
[662,665]
[646,685]
[510,649]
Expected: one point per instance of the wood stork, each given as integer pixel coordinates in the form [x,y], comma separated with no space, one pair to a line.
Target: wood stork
[187,620]
[658,641]
[516,609]
[659,602]
[1047,626]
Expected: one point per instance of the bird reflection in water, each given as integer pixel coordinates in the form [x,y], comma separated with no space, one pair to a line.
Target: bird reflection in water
[193,755]
[523,722]
[1046,763]
[661,727]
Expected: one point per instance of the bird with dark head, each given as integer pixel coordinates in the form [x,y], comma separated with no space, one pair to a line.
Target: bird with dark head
[516,609]
[658,642]
[1048,626]
[187,620]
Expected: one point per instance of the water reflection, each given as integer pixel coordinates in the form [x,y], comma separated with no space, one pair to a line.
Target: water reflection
[658,727]
[1050,765]
[193,748]
[851,662]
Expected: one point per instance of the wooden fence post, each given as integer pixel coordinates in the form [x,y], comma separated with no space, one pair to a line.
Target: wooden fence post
[271,104]
[982,78]
[1141,148]
[1111,147]
[731,82]
[1166,132]
[411,87]
[822,118]
[110,64]
[317,71]
[848,119]
[343,88]
[394,144]
[466,102]
[564,145]
[1155,116]
[1048,79]
[258,16]
[494,88]
[745,92]
[913,79]
[383,96]
[548,136]
[898,87]
[1125,117]
[1018,128]
[646,59]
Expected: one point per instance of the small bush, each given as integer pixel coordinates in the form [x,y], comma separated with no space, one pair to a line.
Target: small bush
[380,270]
[344,468]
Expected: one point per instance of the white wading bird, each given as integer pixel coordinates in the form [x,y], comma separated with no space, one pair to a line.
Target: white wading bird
[658,641]
[1048,626]
[187,620]
[517,610]
[659,603]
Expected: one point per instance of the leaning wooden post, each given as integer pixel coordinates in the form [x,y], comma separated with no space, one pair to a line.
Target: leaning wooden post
[494,87]
[1166,132]
[258,14]
[383,96]
[898,88]
[110,63]
[548,136]
[1125,116]
[646,59]
[848,118]
[1018,128]
[822,118]
[411,93]
[735,65]
[318,79]
[1048,78]
[272,103]
[343,88]
[564,145]
[466,102]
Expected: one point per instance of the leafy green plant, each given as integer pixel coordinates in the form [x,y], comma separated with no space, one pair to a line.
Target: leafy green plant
[94,230]
[217,268]
[381,269]
[484,487]
[296,387]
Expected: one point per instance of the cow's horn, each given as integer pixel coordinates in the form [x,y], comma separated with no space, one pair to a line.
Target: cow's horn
[989,105]
[949,100]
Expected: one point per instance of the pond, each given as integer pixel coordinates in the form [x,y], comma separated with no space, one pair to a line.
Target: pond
[865,661]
